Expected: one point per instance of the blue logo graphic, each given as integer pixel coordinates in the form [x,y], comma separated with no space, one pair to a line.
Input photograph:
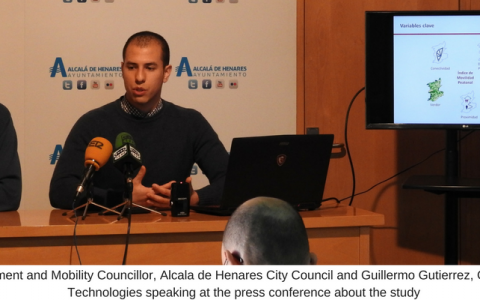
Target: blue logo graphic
[81,84]
[184,67]
[58,67]
[56,154]
[206,84]
[67,85]
[192,84]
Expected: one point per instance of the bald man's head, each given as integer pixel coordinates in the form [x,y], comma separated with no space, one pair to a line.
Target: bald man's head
[267,231]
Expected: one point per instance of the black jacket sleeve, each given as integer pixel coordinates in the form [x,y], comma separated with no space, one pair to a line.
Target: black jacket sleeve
[212,158]
[70,169]
[10,172]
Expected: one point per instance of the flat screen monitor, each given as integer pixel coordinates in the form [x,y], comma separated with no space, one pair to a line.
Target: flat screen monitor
[422,70]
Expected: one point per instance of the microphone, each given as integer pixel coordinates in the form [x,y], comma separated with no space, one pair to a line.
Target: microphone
[126,158]
[96,156]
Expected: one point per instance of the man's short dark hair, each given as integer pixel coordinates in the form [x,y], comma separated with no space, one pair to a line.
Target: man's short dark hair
[267,231]
[144,38]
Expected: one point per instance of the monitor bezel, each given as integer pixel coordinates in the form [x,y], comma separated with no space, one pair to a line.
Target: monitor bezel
[379,71]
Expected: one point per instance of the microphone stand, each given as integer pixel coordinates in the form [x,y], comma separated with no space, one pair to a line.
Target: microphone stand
[135,205]
[128,203]
[128,193]
[89,201]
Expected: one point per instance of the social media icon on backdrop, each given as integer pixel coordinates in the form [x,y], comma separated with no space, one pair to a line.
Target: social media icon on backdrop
[206,84]
[67,85]
[67,1]
[81,84]
[109,84]
[193,84]
[95,84]
[220,84]
[192,1]
[233,84]
[82,1]
[194,170]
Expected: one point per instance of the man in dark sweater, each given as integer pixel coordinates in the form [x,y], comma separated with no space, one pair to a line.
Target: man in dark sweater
[170,138]
[10,172]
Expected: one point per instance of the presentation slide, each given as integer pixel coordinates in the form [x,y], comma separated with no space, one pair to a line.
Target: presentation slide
[436,60]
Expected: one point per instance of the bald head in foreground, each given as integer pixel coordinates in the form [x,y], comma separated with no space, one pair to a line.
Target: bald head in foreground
[266,231]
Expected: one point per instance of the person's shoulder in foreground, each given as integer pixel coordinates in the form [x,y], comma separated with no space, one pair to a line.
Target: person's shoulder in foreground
[10,172]
[266,231]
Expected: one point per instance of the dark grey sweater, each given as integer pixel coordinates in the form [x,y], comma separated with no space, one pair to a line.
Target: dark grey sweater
[170,143]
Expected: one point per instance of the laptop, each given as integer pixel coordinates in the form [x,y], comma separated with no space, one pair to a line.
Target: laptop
[289,167]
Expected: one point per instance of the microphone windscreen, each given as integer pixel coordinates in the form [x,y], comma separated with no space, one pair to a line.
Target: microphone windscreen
[122,139]
[98,152]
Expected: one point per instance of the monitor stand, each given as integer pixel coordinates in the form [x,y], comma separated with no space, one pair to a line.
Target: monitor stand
[454,188]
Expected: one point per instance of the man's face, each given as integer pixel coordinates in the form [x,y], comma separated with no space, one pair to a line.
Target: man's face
[143,75]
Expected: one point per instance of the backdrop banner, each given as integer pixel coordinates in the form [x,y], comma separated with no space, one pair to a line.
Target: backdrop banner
[233,60]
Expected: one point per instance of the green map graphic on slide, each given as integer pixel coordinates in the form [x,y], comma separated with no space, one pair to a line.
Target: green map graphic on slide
[434,91]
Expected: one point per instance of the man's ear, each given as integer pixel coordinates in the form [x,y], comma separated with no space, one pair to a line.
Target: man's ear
[231,259]
[313,258]
[166,73]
